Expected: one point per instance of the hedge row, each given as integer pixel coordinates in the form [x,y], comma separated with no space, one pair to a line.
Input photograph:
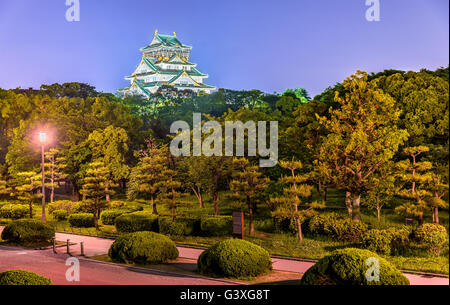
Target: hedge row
[182,226]
[337,226]
[14,211]
[82,220]
[28,230]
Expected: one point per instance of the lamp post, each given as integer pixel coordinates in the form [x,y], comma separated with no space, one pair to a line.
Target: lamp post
[42,139]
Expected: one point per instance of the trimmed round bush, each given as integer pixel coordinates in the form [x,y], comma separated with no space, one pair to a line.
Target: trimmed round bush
[234,258]
[14,211]
[23,277]
[377,241]
[82,220]
[137,221]
[348,267]
[216,225]
[109,216]
[182,226]
[143,248]
[28,230]
[60,205]
[432,235]
[85,206]
[60,215]
[337,226]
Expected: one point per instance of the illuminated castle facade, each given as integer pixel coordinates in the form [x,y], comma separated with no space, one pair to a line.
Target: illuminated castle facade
[165,61]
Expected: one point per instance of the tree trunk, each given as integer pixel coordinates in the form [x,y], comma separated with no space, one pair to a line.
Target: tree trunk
[356,205]
[75,192]
[299,228]
[31,209]
[324,196]
[436,215]
[250,216]
[154,206]
[318,189]
[96,219]
[198,194]
[108,196]
[420,219]
[348,203]
[216,203]
[379,214]
[52,192]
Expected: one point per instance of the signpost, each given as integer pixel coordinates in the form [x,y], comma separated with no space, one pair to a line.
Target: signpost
[238,225]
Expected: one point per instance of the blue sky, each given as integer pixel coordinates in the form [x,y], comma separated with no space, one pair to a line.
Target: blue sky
[245,44]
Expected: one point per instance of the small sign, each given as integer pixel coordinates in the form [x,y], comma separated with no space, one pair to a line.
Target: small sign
[409,221]
[238,225]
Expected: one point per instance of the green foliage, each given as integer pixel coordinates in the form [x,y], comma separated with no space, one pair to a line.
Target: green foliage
[337,226]
[137,221]
[28,230]
[216,225]
[234,258]
[108,217]
[85,206]
[433,235]
[60,214]
[143,248]
[182,226]
[67,206]
[348,267]
[23,277]
[377,241]
[82,220]
[14,211]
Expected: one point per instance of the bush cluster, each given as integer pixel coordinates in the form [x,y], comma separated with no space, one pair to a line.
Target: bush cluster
[182,226]
[216,225]
[108,217]
[82,220]
[60,205]
[143,248]
[22,277]
[349,267]
[28,230]
[337,226]
[234,258]
[60,214]
[136,221]
[14,211]
[85,206]
[434,236]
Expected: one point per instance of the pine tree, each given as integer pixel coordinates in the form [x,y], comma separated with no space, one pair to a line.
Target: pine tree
[4,189]
[438,189]
[287,206]
[169,190]
[54,169]
[97,186]
[148,174]
[247,186]
[27,186]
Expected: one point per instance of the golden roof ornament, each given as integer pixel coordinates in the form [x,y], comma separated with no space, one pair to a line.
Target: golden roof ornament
[156,32]
[174,34]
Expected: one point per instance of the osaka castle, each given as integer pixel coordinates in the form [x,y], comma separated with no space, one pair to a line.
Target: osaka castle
[165,61]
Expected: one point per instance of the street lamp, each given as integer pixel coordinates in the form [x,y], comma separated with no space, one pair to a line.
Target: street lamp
[42,139]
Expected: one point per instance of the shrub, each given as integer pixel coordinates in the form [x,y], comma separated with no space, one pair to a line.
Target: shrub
[143,248]
[60,214]
[137,221]
[132,207]
[108,217]
[216,225]
[348,267]
[60,205]
[22,277]
[182,226]
[433,235]
[377,241]
[85,206]
[82,220]
[399,239]
[14,211]
[337,226]
[28,230]
[234,258]
[117,204]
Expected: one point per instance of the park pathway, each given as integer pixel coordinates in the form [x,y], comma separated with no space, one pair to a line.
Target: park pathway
[97,246]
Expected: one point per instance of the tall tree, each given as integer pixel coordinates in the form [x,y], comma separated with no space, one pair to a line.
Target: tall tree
[362,137]
[54,169]
[247,185]
[287,206]
[97,186]
[27,188]
[169,190]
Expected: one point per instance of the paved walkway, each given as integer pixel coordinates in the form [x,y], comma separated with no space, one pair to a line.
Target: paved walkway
[98,246]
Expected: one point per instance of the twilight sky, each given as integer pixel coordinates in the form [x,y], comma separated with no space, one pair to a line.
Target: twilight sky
[241,44]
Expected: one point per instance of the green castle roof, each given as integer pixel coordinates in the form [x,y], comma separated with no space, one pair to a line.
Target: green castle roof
[167,41]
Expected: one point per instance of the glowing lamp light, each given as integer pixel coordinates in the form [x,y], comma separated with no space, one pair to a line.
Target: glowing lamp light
[42,137]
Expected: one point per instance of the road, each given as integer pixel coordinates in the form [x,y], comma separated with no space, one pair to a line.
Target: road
[98,273]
